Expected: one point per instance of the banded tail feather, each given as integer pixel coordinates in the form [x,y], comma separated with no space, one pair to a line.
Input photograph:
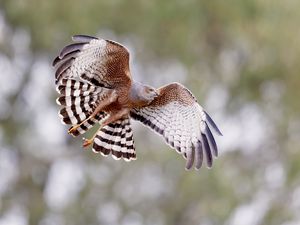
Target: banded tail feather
[116,138]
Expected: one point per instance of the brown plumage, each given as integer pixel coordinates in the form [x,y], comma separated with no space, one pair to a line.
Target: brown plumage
[95,86]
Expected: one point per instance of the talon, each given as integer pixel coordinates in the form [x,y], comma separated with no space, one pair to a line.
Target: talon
[87,142]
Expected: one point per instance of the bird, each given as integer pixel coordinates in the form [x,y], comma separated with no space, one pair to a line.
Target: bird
[96,88]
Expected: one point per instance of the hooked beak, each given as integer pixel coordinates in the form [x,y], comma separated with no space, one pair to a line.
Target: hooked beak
[157,92]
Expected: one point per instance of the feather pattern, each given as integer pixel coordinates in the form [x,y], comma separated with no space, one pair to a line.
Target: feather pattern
[83,38]
[94,61]
[177,116]
[88,124]
[95,86]
[78,99]
[71,48]
[116,138]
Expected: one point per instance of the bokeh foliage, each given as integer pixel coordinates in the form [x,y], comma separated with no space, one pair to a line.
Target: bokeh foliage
[247,49]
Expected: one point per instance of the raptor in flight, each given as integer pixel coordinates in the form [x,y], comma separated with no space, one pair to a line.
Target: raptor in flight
[96,87]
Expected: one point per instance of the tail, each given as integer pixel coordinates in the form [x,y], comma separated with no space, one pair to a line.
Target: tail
[116,138]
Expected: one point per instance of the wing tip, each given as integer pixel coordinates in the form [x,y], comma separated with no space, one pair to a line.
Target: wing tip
[207,150]
[56,61]
[211,141]
[213,124]
[83,38]
[190,159]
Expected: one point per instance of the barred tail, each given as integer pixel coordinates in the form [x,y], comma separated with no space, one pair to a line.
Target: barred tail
[116,138]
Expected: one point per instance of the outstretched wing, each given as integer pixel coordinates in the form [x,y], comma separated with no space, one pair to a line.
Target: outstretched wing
[102,63]
[176,115]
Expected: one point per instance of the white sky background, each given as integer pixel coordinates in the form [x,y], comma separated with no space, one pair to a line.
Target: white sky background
[245,130]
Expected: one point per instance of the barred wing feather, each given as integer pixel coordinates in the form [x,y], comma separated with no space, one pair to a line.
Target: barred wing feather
[176,115]
[94,61]
[78,100]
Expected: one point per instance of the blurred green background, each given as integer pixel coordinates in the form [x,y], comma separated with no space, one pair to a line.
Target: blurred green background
[240,58]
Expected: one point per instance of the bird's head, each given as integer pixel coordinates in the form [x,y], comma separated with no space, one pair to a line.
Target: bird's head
[142,94]
[150,93]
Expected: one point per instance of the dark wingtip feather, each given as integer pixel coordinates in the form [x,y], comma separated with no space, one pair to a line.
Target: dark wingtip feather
[190,159]
[66,57]
[55,61]
[198,156]
[209,159]
[71,48]
[82,38]
[211,141]
[212,123]
[63,67]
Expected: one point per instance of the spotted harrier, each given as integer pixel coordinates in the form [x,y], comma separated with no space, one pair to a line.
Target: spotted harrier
[95,85]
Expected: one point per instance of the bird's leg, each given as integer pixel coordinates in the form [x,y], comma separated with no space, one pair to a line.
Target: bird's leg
[110,119]
[103,103]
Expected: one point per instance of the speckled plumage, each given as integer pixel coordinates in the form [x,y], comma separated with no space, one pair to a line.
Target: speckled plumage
[95,86]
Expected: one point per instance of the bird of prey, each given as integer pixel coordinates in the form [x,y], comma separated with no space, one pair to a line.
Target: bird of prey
[95,85]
